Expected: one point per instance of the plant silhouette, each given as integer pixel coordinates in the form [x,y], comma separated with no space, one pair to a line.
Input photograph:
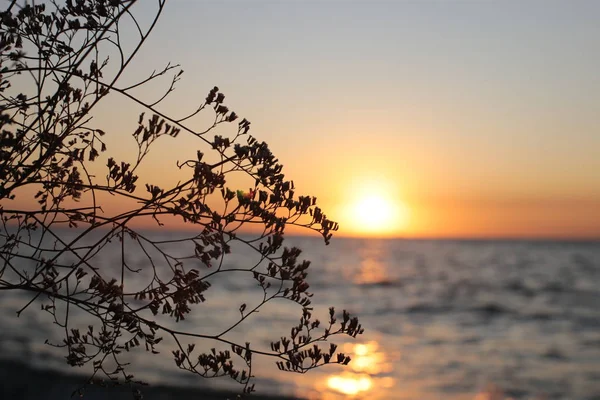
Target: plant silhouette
[54,71]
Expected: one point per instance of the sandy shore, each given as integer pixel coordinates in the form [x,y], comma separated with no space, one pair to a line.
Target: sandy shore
[21,382]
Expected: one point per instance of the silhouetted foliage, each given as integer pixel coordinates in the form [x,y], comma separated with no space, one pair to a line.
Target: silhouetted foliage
[54,71]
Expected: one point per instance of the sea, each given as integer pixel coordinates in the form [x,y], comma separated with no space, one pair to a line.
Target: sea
[443,319]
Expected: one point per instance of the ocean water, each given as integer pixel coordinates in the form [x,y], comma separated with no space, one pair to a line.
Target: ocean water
[443,319]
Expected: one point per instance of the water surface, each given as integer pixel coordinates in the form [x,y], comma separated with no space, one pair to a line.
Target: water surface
[444,320]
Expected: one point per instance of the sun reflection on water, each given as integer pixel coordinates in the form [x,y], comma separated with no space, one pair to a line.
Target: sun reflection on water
[370,375]
[350,384]
[369,368]
[373,269]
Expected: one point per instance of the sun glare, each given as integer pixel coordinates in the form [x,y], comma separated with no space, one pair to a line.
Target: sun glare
[374,211]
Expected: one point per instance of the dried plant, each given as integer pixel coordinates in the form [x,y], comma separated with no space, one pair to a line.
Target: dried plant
[54,70]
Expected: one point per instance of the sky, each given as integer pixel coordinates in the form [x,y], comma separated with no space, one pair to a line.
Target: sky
[449,118]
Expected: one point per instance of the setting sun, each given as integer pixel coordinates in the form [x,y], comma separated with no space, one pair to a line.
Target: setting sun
[375,210]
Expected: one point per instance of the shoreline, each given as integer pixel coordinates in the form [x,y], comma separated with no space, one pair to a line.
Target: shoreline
[19,381]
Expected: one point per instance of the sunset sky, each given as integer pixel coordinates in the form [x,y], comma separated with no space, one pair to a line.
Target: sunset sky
[451,119]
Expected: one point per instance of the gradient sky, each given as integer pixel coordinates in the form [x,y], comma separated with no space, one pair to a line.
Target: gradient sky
[475,119]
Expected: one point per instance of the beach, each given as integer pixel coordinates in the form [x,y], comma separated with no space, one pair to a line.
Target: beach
[18,381]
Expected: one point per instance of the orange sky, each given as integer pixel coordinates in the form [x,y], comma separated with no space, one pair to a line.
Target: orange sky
[468,119]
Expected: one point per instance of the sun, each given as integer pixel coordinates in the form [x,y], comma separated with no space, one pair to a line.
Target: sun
[374,211]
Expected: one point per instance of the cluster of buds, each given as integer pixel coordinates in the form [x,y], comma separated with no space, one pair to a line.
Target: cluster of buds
[246,195]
